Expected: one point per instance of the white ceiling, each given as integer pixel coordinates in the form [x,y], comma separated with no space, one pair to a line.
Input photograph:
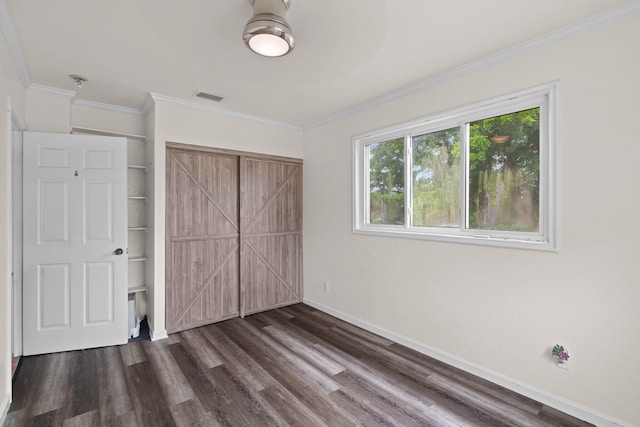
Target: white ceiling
[348,52]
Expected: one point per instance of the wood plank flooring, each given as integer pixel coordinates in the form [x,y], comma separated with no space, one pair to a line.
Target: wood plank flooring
[293,366]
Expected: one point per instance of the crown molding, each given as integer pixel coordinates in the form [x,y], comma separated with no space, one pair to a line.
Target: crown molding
[11,35]
[220,111]
[107,107]
[624,11]
[63,93]
[148,105]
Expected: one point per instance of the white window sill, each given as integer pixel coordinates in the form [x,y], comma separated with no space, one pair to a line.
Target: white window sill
[470,239]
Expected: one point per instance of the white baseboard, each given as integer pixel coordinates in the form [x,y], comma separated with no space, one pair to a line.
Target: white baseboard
[512,384]
[4,408]
[157,335]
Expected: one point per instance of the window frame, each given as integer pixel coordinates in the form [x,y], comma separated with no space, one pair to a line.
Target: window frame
[545,239]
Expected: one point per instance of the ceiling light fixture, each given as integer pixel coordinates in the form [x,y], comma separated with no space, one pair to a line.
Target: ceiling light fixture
[268,33]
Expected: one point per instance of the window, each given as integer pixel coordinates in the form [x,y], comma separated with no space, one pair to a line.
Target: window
[480,174]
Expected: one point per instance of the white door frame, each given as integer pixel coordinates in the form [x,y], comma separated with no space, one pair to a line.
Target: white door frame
[16,253]
[14,260]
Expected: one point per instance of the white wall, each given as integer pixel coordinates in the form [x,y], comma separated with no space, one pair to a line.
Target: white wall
[499,309]
[49,111]
[10,86]
[182,124]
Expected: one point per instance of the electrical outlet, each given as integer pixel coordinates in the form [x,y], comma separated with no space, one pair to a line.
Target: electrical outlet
[325,286]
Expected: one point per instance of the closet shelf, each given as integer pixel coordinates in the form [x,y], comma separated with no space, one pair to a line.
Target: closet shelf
[138,198]
[137,288]
[138,167]
[137,259]
[138,228]
[91,131]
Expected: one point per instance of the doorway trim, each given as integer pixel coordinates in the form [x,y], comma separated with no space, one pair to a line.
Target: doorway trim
[14,260]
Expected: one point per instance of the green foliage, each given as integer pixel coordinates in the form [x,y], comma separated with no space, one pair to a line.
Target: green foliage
[503,175]
[557,350]
[386,182]
[436,178]
[387,208]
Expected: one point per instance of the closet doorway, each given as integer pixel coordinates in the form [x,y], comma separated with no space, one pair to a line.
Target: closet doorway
[233,234]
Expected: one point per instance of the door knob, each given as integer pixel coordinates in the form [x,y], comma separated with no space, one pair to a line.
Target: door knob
[119,251]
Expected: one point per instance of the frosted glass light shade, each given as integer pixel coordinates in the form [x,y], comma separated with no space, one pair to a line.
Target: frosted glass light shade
[268,45]
[268,33]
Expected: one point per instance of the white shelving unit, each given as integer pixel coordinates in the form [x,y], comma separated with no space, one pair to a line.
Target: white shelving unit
[137,215]
[137,206]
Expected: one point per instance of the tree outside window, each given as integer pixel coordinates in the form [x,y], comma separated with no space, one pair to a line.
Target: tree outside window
[478,178]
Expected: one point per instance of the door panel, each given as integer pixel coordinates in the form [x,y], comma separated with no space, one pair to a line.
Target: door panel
[97,159]
[271,234]
[75,216]
[270,272]
[53,157]
[98,211]
[202,239]
[54,290]
[99,288]
[53,211]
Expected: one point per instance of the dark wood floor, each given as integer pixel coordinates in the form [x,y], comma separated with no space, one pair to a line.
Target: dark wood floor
[293,366]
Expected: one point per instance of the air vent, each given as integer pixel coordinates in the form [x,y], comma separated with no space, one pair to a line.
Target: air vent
[209,96]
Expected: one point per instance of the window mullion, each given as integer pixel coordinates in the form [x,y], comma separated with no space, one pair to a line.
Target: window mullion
[464,179]
[408,182]
[366,208]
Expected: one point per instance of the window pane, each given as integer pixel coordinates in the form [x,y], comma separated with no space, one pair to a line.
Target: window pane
[386,182]
[436,179]
[504,172]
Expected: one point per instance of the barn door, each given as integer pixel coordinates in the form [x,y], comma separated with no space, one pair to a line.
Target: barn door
[202,252]
[271,233]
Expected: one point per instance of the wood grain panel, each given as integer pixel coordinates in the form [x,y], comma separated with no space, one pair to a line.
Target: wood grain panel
[234,235]
[270,234]
[175,386]
[112,384]
[151,405]
[202,249]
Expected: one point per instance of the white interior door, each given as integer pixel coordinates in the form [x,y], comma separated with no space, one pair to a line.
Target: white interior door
[74,242]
